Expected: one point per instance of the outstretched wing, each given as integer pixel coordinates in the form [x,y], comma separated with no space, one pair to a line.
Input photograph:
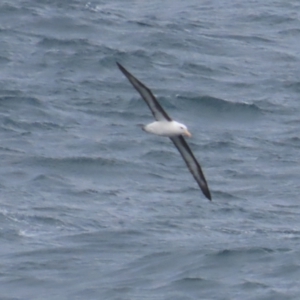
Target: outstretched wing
[191,163]
[156,109]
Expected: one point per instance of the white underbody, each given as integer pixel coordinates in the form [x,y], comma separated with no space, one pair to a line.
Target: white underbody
[167,128]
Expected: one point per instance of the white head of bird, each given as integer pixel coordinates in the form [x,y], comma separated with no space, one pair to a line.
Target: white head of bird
[167,128]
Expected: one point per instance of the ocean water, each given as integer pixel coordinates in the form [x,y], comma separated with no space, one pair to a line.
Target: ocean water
[92,207]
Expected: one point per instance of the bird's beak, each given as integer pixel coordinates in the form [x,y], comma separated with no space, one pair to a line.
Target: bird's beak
[187,133]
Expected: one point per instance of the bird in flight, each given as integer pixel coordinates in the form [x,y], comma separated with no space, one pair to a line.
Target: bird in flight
[165,126]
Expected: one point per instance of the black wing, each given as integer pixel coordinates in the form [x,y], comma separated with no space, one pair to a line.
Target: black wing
[191,163]
[156,109]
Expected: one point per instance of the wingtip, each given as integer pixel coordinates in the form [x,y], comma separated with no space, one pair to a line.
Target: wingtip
[120,67]
[123,70]
[204,188]
[207,194]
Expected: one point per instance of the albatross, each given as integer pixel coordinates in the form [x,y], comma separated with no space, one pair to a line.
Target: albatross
[165,126]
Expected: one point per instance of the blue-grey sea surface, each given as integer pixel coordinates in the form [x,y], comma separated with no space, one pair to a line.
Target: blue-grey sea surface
[92,207]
